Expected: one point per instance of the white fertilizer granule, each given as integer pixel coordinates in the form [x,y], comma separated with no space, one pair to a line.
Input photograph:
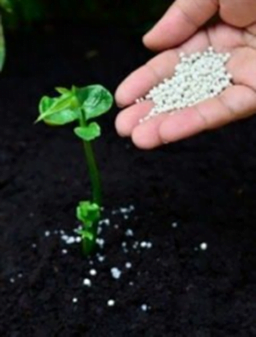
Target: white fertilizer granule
[111,303]
[128,265]
[93,272]
[115,272]
[203,246]
[144,307]
[87,282]
[197,77]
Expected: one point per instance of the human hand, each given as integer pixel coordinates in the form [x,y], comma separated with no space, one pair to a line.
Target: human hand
[178,31]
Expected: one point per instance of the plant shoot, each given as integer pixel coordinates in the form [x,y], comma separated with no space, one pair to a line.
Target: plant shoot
[81,105]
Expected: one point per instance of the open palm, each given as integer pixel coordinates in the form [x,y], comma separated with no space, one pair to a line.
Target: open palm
[236,102]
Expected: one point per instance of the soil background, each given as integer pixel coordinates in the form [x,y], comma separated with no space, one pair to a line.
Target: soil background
[207,184]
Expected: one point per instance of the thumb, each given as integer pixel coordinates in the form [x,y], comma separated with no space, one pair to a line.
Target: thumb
[239,13]
[180,22]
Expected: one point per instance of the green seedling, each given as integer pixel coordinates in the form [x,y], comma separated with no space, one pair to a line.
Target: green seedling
[81,105]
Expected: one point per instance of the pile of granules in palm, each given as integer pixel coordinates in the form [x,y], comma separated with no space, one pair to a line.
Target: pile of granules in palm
[197,77]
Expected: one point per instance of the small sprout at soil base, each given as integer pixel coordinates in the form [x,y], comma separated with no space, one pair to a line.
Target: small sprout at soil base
[88,213]
[81,105]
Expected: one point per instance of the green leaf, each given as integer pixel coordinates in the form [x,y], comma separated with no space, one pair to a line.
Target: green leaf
[95,100]
[58,110]
[85,234]
[49,106]
[89,132]
[61,90]
[87,213]
[31,10]
[2,45]
[6,5]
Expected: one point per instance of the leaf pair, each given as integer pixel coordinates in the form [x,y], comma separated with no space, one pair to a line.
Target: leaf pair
[94,100]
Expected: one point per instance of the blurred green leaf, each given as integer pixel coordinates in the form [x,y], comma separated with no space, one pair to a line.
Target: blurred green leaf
[89,132]
[117,12]
[2,46]
[87,212]
[6,5]
[32,10]
[61,90]
[57,111]
[95,100]
[85,234]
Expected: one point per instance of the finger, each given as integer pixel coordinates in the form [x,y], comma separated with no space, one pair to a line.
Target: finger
[239,13]
[234,103]
[146,135]
[130,117]
[179,23]
[142,80]
[242,66]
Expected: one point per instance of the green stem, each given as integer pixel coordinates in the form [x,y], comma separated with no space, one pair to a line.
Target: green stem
[92,167]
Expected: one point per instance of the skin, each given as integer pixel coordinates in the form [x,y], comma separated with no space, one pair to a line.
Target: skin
[183,28]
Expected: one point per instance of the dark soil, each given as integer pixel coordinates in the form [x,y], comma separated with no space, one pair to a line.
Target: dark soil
[206,184]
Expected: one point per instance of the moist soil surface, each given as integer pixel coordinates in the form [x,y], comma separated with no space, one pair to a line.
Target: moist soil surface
[201,190]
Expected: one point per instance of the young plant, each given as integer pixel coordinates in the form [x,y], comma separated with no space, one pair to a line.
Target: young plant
[81,105]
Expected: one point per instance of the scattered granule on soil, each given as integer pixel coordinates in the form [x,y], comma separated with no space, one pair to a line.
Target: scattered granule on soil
[100,242]
[174,225]
[203,246]
[144,307]
[101,258]
[128,265]
[115,272]
[197,77]
[111,303]
[145,244]
[87,282]
[93,272]
[129,232]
